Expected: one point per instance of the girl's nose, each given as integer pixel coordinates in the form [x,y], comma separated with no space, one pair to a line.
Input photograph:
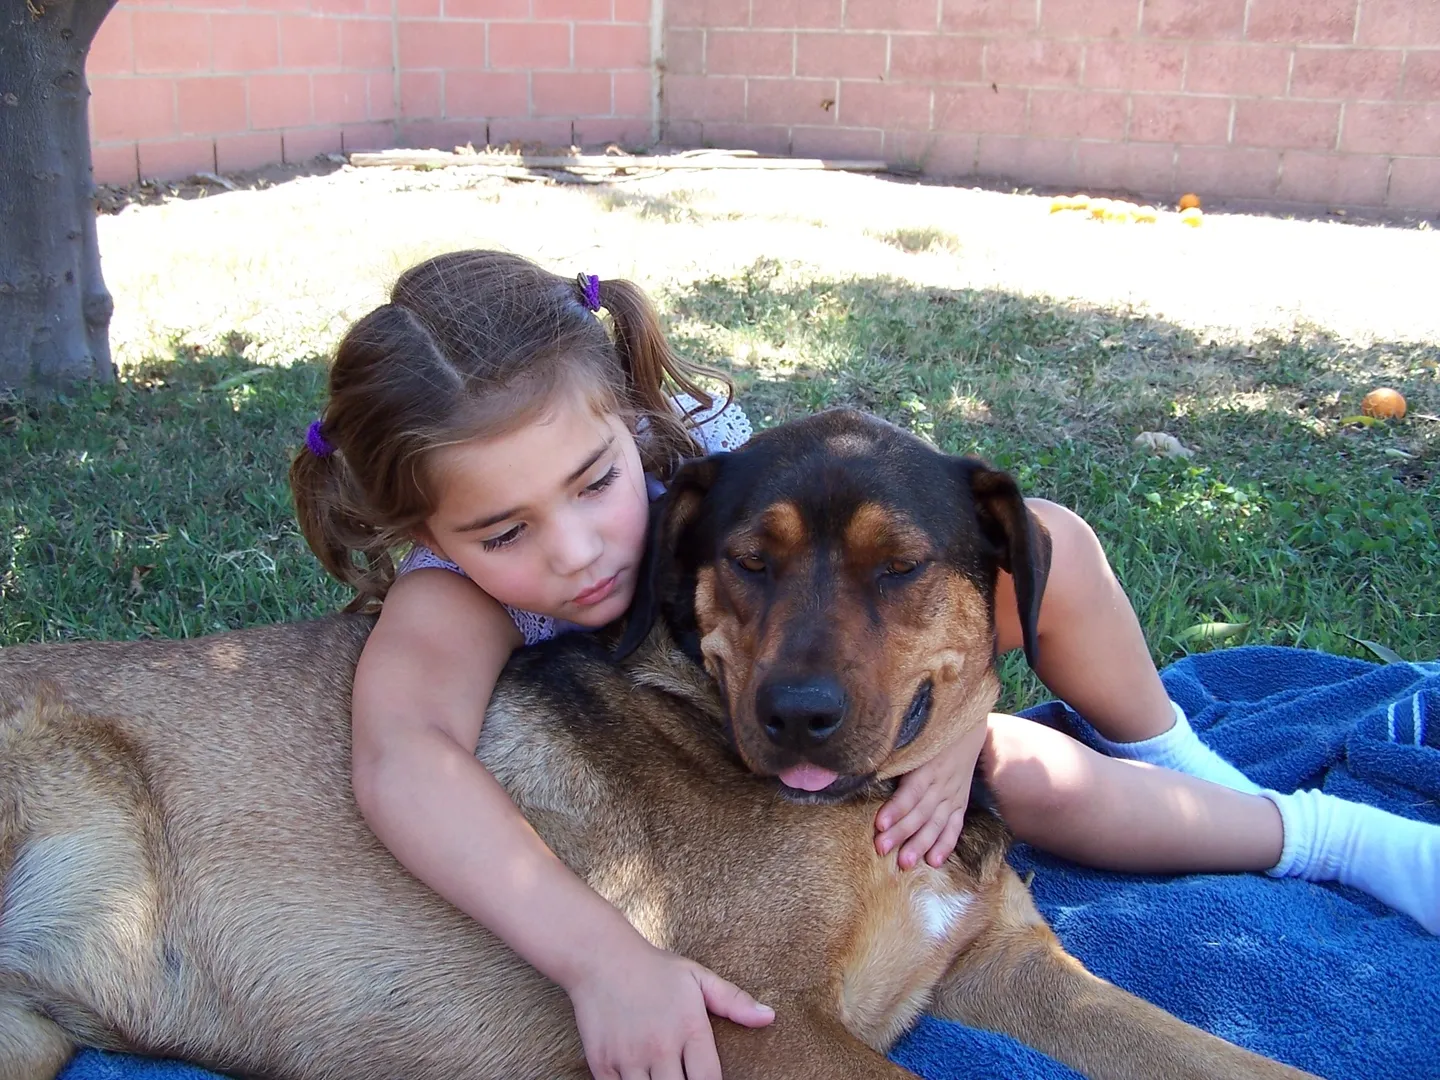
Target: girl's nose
[576,546]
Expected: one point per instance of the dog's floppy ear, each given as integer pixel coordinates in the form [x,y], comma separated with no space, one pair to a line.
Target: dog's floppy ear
[1021,544]
[670,517]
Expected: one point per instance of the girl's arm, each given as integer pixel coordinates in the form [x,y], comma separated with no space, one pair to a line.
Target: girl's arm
[421,689]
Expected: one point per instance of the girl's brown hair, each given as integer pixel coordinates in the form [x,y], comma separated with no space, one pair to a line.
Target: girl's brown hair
[472,344]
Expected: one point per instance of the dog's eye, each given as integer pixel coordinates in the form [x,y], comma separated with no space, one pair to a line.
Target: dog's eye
[751,564]
[901,568]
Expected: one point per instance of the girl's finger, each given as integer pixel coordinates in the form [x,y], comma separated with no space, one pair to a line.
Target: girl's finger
[949,837]
[724,998]
[907,794]
[701,1060]
[908,825]
[921,842]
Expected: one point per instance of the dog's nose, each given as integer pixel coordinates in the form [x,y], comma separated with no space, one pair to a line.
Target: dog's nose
[801,714]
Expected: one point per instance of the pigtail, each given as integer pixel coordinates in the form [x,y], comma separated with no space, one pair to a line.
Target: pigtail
[340,515]
[338,531]
[650,364]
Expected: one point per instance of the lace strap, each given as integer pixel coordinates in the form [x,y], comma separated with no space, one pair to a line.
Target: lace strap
[719,428]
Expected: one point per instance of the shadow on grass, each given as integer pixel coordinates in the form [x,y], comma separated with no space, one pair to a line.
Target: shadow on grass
[909,174]
[160,506]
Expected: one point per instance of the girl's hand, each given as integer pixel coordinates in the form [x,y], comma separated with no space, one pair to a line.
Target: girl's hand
[645,1014]
[927,810]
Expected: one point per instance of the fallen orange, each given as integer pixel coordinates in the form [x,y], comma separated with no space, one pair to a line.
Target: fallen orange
[1188,200]
[1384,403]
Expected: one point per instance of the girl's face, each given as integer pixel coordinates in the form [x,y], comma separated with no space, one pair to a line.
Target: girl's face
[549,518]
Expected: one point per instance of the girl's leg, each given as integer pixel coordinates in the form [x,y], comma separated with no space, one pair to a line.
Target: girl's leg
[1094,657]
[1092,653]
[1105,812]
[1063,797]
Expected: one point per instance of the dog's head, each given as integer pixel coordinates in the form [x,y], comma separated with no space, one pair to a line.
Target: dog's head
[836,577]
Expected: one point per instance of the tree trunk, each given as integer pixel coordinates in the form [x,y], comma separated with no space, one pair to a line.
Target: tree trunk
[54,308]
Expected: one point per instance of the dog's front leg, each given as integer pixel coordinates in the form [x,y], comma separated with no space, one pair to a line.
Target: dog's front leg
[801,1044]
[1018,980]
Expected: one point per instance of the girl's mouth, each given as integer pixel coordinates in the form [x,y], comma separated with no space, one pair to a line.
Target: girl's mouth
[597,592]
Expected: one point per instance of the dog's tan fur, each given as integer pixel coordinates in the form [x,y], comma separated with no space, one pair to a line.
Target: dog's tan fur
[184,872]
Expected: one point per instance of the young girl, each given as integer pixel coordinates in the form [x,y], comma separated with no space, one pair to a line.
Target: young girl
[490,420]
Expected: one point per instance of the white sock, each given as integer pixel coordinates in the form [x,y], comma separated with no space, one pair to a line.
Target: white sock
[1180,749]
[1392,858]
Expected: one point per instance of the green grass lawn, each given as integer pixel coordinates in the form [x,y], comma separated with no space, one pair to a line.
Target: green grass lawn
[159,506]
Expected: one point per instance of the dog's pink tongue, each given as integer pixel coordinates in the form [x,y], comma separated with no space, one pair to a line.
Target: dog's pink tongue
[808,777]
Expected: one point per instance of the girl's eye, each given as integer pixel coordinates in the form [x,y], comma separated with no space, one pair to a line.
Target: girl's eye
[505,539]
[604,481]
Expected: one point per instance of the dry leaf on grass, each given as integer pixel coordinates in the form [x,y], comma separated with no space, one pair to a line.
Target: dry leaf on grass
[1163,445]
[137,574]
[1212,631]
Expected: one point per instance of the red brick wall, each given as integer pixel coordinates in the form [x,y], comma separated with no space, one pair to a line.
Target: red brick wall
[187,85]
[1332,102]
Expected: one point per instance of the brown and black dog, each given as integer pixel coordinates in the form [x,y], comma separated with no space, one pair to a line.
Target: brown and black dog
[184,871]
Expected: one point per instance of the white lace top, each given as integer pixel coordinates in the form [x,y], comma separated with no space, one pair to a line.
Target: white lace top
[719,429]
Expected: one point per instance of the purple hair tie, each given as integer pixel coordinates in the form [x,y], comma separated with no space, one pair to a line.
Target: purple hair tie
[589,290]
[316,442]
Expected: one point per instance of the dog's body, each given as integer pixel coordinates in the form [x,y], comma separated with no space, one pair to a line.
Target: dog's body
[184,871]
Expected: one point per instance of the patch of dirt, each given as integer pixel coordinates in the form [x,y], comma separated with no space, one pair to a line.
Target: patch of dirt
[112,198]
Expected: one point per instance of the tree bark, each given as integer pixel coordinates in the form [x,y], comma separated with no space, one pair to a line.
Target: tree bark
[54,307]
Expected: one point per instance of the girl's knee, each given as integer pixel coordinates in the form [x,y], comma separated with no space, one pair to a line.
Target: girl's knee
[1033,770]
[1079,569]
[1080,581]
[1072,540]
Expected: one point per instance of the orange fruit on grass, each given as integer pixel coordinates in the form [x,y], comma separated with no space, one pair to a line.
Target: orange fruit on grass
[1188,200]
[1384,403]
[1069,202]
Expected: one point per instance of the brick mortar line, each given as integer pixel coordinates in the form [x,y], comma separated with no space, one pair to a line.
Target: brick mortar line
[962,35]
[261,13]
[440,20]
[395,72]
[1280,151]
[201,76]
[1097,91]
[657,66]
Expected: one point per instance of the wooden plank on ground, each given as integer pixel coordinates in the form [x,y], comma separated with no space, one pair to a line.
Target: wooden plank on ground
[446,159]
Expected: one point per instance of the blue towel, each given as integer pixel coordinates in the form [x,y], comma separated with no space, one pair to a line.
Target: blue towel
[1320,976]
